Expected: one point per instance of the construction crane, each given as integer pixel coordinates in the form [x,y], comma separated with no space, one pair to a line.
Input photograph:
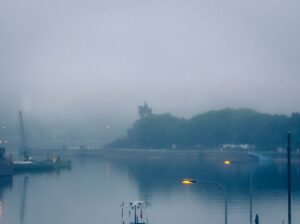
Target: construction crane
[23,150]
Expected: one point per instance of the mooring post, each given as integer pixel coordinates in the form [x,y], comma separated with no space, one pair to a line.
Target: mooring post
[289,177]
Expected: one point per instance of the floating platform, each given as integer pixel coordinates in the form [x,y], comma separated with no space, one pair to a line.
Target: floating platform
[40,165]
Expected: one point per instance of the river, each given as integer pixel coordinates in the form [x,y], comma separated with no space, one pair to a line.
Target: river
[93,189]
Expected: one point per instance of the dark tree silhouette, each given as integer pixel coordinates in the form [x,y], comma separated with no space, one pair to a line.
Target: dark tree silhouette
[211,129]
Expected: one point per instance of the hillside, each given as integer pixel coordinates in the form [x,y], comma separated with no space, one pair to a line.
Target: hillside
[211,129]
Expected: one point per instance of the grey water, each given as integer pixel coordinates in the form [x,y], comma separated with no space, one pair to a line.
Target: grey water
[93,189]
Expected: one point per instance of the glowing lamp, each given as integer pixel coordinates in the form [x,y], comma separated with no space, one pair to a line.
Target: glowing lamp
[187,181]
[227,162]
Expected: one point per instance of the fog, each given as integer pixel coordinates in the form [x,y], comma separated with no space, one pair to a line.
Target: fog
[78,66]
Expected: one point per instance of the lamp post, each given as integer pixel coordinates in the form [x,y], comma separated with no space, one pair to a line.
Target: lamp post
[188,181]
[229,162]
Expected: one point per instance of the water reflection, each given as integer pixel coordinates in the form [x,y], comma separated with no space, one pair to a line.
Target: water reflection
[21,186]
[163,174]
[96,186]
[23,201]
[5,183]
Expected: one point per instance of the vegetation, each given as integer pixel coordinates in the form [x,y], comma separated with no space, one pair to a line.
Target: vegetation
[210,130]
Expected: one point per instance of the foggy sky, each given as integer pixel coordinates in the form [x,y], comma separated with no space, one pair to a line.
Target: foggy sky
[80,60]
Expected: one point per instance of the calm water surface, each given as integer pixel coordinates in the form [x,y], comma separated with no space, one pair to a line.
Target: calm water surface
[92,191]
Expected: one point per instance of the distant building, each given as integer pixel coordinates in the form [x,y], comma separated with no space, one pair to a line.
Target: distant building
[237,146]
[145,111]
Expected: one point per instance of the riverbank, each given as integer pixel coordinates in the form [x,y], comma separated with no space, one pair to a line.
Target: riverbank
[245,156]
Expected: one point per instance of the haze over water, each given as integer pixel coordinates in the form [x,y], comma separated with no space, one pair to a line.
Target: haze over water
[78,70]
[92,191]
[74,67]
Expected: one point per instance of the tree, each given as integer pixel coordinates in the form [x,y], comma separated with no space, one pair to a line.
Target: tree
[210,129]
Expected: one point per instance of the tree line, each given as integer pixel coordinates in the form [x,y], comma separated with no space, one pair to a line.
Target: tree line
[210,130]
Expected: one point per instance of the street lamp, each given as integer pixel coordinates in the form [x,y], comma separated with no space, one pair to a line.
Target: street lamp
[188,181]
[229,162]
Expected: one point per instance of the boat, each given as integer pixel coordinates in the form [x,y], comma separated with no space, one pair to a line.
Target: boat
[134,214]
[49,164]
[6,167]
[28,164]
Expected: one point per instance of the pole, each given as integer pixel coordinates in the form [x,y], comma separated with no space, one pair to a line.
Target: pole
[251,195]
[250,188]
[135,218]
[224,194]
[226,212]
[289,178]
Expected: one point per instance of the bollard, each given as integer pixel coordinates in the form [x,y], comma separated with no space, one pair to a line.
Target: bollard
[256,220]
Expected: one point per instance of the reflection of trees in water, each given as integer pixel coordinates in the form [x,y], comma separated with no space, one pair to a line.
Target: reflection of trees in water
[164,174]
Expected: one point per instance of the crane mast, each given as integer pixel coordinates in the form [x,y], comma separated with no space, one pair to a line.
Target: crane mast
[23,148]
